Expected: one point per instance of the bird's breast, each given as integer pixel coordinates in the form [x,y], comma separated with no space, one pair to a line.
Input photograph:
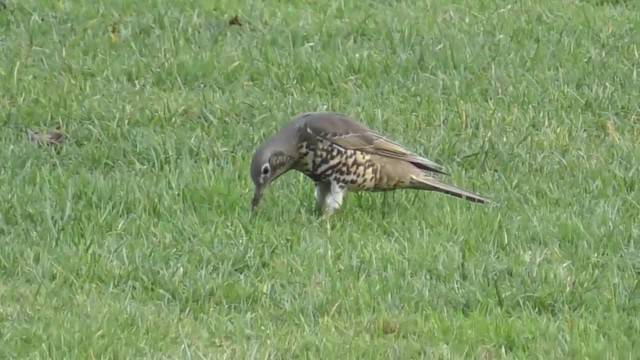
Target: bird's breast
[324,161]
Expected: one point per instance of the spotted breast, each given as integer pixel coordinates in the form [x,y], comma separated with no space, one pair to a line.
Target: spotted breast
[322,161]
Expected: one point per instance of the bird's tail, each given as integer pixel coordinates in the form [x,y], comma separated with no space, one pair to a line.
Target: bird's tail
[425,182]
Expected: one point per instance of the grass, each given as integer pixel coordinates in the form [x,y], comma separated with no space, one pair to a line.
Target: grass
[135,241]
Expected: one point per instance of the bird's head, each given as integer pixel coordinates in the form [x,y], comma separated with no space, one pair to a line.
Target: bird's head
[268,163]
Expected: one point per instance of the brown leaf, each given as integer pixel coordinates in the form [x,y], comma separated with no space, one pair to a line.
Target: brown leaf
[114,32]
[55,137]
[235,20]
[389,327]
[611,130]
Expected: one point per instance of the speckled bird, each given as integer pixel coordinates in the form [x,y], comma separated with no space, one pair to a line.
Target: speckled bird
[342,155]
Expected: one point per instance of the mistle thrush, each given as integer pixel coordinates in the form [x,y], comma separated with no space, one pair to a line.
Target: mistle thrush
[340,154]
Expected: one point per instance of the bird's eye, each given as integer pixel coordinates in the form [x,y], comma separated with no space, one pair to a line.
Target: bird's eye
[265,169]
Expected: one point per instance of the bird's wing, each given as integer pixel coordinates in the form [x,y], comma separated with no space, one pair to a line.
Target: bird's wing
[348,134]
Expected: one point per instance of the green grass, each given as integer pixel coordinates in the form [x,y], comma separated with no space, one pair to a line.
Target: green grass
[135,241]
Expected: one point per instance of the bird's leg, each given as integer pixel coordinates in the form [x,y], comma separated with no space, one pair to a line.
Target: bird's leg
[323,189]
[333,200]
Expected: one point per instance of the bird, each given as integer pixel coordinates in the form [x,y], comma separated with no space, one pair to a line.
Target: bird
[340,154]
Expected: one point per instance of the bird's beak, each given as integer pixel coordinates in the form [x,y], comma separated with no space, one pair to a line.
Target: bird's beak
[257,194]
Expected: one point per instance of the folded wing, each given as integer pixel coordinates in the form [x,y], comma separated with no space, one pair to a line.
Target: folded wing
[348,134]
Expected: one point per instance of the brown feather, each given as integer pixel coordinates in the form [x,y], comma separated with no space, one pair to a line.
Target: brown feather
[346,133]
[433,184]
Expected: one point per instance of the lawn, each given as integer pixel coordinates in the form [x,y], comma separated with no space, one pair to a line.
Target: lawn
[134,239]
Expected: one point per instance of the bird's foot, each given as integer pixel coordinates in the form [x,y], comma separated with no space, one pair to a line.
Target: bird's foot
[327,213]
